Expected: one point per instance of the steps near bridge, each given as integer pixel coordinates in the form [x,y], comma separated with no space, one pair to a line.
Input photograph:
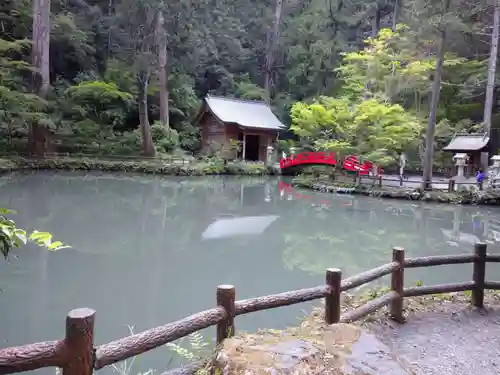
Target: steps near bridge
[339,349]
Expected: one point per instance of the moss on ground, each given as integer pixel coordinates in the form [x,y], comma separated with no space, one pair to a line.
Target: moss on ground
[159,166]
[484,197]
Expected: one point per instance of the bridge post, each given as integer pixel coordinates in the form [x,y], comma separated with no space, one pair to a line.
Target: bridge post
[451,185]
[293,151]
[332,174]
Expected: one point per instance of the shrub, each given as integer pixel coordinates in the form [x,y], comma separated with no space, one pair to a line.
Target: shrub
[165,140]
[153,166]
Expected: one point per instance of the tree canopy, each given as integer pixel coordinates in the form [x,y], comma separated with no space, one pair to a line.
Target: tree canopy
[105,74]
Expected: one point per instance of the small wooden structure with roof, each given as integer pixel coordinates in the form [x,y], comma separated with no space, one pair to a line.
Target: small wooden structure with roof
[471,144]
[250,122]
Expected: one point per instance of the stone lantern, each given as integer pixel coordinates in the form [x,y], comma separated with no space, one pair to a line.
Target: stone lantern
[494,170]
[402,164]
[496,162]
[270,156]
[460,160]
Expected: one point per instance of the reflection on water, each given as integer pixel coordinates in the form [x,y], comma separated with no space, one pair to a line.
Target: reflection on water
[148,250]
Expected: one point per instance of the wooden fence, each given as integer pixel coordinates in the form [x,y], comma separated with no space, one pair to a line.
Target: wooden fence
[77,355]
[449,185]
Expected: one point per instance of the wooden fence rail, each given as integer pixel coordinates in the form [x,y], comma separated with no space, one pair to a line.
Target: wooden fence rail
[451,185]
[77,355]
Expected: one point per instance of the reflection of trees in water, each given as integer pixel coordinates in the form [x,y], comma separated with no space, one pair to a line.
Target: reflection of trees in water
[111,213]
[358,233]
[95,216]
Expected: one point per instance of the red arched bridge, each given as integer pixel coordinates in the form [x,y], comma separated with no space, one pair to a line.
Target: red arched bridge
[351,163]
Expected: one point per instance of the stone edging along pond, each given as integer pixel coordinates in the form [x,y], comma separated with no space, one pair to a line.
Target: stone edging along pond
[486,197]
[195,168]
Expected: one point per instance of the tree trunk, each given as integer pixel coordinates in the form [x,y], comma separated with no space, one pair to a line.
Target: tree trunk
[162,69]
[395,14]
[267,68]
[147,139]
[431,125]
[272,44]
[41,61]
[490,86]
[376,22]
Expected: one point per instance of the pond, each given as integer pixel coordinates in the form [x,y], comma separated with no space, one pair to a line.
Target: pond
[147,250]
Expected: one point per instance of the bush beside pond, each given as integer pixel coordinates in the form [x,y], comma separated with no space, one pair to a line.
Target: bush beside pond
[194,168]
[485,197]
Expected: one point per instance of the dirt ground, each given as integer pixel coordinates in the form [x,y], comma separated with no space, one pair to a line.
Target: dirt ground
[459,341]
[445,335]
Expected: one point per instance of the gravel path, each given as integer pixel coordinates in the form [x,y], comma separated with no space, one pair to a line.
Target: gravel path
[457,340]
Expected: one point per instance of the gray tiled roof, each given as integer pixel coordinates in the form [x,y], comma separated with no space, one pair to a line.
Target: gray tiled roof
[468,142]
[246,113]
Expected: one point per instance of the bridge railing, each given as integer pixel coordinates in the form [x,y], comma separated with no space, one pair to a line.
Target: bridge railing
[77,355]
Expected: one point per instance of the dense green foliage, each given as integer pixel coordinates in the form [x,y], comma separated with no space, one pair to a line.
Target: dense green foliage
[341,72]
[380,106]
[164,166]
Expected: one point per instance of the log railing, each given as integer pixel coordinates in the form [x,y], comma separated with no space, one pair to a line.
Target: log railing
[77,355]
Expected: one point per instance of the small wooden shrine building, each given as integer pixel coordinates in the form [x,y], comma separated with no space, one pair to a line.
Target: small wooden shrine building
[250,122]
[471,144]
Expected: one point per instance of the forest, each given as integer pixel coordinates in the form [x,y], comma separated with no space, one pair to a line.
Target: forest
[126,77]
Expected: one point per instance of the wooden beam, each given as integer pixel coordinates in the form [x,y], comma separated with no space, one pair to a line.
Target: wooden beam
[244,145]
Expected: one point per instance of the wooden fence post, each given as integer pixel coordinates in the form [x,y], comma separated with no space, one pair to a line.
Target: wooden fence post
[478,274]
[451,185]
[332,299]
[79,342]
[226,295]
[397,285]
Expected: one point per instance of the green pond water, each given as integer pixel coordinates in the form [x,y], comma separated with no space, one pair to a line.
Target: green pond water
[148,250]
